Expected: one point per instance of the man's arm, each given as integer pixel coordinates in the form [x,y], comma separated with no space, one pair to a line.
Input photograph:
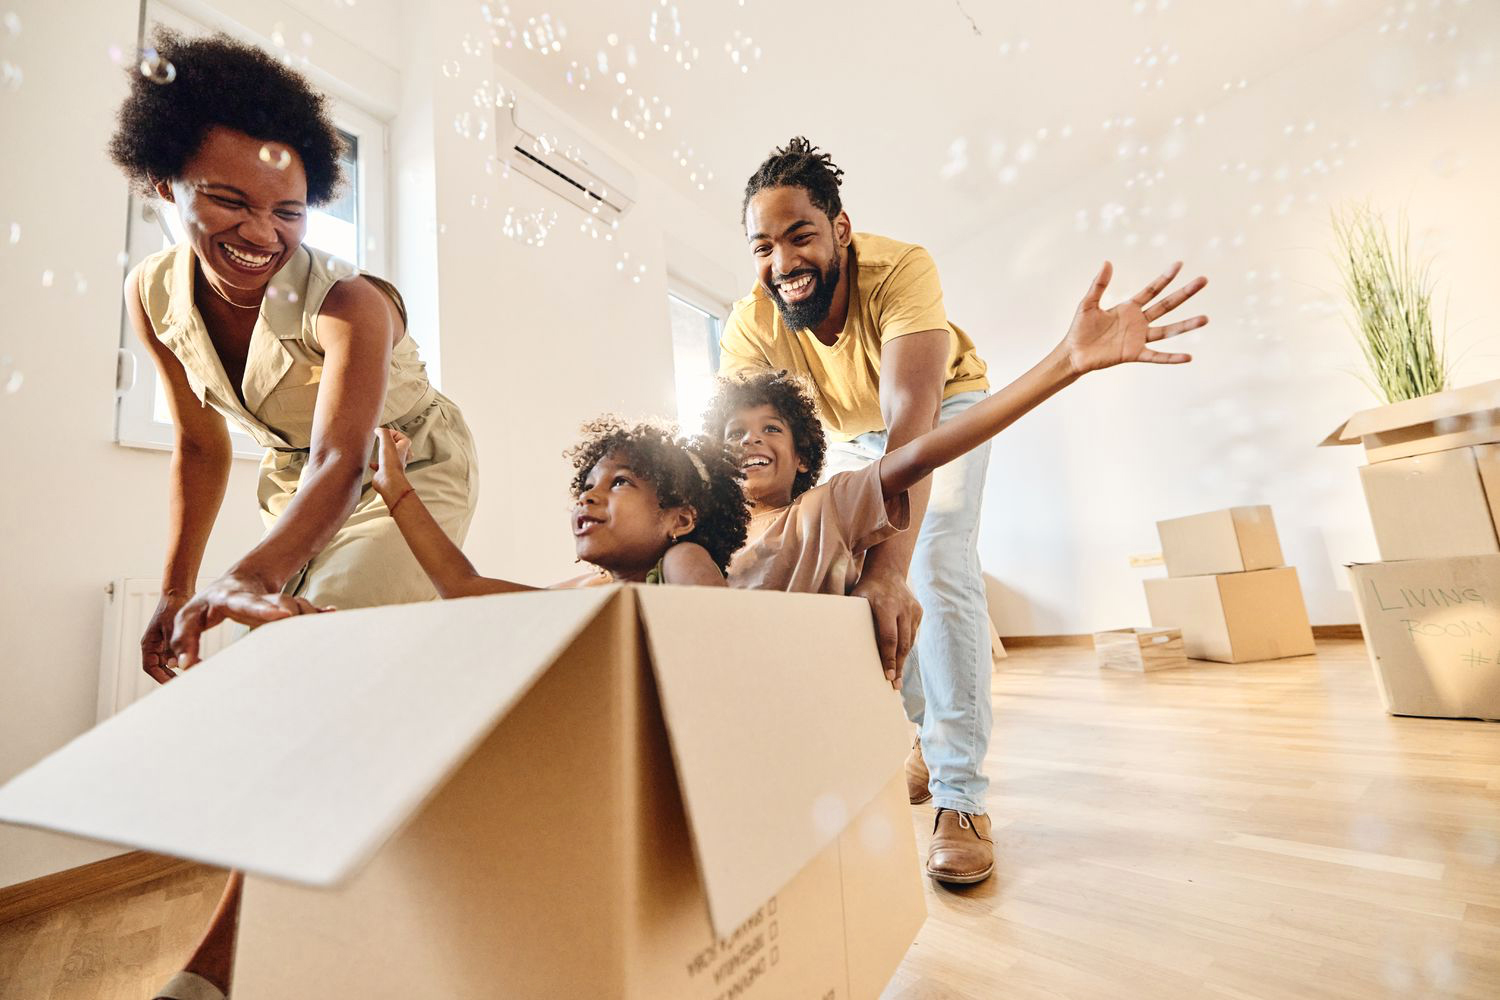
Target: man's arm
[913,371]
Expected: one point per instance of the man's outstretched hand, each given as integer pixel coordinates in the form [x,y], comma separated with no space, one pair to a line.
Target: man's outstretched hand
[1102,338]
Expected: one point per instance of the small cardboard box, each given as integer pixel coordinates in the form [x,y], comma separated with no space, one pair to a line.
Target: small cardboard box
[635,792]
[1453,419]
[1237,540]
[1140,649]
[1432,628]
[1431,506]
[1234,617]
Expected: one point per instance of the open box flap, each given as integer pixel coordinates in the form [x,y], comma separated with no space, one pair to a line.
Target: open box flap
[1471,399]
[782,728]
[299,750]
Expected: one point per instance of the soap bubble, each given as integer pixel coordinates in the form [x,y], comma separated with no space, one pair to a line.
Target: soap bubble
[451,69]
[11,75]
[80,283]
[47,278]
[157,68]
[15,233]
[13,384]
[12,22]
[276,156]
[829,814]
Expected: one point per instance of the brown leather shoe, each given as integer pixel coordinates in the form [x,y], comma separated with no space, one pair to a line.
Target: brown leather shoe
[961,850]
[916,775]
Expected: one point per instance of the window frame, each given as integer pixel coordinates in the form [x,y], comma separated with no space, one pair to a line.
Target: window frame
[693,295]
[136,425]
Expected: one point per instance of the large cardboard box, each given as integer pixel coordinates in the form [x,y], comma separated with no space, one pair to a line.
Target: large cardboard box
[1432,628]
[1457,418]
[1237,540]
[1439,504]
[627,792]
[1234,617]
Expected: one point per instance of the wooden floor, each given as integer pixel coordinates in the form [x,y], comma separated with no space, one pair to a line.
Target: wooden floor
[1256,831]
[1222,831]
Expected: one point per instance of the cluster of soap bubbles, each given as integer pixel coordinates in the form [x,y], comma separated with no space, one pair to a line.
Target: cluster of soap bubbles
[666,31]
[1002,161]
[472,126]
[275,155]
[595,229]
[627,267]
[156,67]
[697,171]
[13,377]
[278,39]
[1153,61]
[530,228]
[11,74]
[487,95]
[637,114]
[742,50]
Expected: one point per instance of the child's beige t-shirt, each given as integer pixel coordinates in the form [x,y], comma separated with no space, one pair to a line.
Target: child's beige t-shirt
[817,544]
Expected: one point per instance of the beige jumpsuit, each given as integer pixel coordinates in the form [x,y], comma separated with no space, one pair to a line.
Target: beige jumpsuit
[367,562]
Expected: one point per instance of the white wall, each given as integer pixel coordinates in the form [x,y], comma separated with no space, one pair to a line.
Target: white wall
[1075,489]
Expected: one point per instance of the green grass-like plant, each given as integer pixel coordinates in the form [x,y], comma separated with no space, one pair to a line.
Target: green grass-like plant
[1392,299]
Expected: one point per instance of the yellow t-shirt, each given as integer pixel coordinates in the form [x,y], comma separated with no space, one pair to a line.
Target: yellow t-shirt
[894,292]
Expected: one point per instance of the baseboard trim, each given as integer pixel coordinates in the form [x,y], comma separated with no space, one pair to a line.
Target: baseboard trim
[1087,639]
[60,888]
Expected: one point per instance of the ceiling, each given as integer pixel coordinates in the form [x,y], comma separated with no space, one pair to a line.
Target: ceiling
[946,115]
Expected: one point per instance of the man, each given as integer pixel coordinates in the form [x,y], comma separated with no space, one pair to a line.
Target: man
[861,316]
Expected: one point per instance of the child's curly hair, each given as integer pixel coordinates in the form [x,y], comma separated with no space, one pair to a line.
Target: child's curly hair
[222,81]
[698,472]
[791,397]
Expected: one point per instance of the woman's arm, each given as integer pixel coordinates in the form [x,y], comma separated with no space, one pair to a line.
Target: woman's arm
[356,327]
[201,457]
[444,562]
[1097,339]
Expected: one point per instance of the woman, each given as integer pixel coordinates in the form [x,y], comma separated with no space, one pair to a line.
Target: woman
[308,356]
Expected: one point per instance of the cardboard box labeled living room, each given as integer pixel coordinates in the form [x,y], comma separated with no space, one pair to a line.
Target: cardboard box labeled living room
[1430,611]
[636,792]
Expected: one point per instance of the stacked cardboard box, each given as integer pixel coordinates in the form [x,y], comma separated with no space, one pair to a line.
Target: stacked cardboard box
[1430,609]
[597,793]
[1227,589]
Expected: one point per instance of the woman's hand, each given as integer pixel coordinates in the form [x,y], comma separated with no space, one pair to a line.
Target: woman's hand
[239,598]
[390,465]
[1103,338]
[156,644]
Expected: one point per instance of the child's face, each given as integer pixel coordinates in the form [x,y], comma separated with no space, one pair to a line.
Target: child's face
[618,521]
[768,454]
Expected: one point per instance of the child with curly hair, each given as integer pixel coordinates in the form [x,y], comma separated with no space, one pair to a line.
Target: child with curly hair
[648,507]
[813,538]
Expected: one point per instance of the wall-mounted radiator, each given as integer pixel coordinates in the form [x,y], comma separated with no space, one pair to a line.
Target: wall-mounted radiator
[128,604]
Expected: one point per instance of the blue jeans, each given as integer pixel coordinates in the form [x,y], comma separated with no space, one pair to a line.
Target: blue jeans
[946,689]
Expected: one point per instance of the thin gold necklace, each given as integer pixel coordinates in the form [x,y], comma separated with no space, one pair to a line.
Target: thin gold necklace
[227,299]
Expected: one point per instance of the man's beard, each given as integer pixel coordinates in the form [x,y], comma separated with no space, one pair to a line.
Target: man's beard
[808,313]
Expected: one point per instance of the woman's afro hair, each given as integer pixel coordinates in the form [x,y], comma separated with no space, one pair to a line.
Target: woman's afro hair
[798,164]
[222,81]
[791,397]
[656,452]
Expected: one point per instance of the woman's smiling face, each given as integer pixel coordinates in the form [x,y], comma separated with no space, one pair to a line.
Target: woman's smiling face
[243,205]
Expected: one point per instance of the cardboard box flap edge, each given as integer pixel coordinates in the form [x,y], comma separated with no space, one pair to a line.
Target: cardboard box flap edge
[298,751]
[760,807]
[1412,412]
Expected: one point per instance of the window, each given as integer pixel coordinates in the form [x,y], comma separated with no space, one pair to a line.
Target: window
[696,325]
[352,227]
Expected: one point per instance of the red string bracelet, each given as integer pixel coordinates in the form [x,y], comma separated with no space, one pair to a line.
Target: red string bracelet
[409,491]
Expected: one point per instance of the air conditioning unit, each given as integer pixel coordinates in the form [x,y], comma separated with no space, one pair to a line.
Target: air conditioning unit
[538,145]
